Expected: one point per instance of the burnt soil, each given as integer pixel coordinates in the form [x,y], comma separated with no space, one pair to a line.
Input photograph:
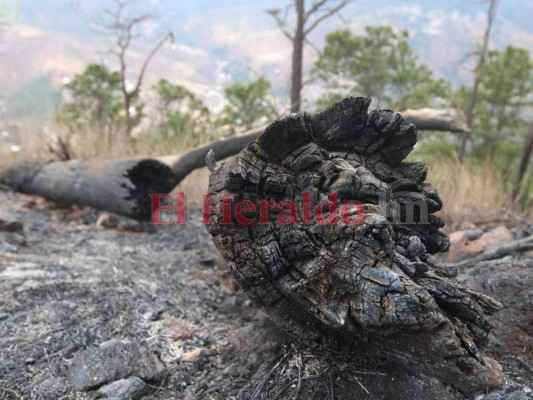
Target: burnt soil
[67,286]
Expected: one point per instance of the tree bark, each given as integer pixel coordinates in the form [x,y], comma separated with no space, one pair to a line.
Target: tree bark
[524,163]
[306,22]
[358,281]
[297,57]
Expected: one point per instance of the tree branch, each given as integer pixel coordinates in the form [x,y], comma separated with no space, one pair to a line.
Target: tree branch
[281,24]
[517,246]
[327,14]
[314,8]
[159,44]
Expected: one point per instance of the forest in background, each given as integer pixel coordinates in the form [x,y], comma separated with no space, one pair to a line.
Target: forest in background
[107,111]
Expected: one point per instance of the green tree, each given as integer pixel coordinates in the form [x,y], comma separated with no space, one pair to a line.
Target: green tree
[180,113]
[380,64]
[95,103]
[247,104]
[499,118]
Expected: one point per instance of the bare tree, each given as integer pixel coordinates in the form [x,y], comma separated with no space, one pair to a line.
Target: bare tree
[116,22]
[306,21]
[491,15]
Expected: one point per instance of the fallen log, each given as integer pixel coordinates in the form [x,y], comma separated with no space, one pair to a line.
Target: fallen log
[430,119]
[425,119]
[360,281]
[123,186]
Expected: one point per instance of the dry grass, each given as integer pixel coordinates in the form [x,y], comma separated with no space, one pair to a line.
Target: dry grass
[469,192]
[194,186]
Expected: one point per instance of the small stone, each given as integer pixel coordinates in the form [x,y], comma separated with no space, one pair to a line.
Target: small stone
[30,360]
[473,234]
[16,239]
[518,395]
[153,315]
[107,220]
[124,389]
[243,371]
[228,285]
[498,236]
[207,261]
[114,360]
[3,316]
[50,388]
[180,333]
[193,355]
[8,248]
[13,226]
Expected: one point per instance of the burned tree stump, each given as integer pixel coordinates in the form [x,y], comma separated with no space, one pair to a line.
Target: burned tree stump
[358,281]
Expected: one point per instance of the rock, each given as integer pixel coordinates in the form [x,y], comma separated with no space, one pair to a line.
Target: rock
[462,248]
[16,239]
[473,234]
[207,260]
[510,281]
[181,333]
[107,220]
[49,385]
[516,396]
[193,355]
[113,360]
[496,237]
[228,285]
[13,226]
[468,244]
[50,388]
[124,389]
[8,248]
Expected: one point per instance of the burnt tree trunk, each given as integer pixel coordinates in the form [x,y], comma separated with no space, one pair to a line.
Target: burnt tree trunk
[360,283]
[297,57]
[121,186]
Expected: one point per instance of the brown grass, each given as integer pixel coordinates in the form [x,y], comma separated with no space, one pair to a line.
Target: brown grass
[469,192]
[194,186]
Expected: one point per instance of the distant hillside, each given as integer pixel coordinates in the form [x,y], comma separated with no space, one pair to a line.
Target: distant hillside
[219,41]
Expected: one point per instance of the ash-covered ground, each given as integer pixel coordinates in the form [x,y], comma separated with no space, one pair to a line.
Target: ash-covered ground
[140,311]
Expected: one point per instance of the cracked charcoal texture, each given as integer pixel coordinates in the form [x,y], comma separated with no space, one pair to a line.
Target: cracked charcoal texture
[359,288]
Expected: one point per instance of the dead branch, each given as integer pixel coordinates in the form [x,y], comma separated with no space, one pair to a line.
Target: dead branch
[517,246]
[328,13]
